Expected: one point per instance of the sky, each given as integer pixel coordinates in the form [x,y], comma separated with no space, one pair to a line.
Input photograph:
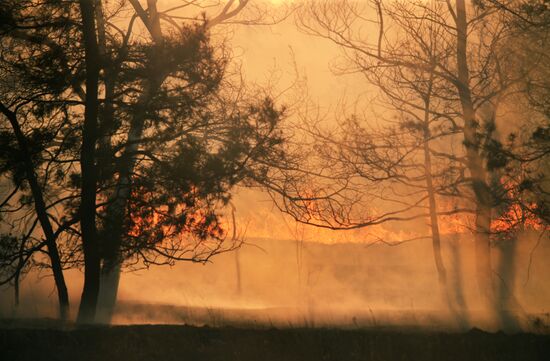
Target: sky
[294,65]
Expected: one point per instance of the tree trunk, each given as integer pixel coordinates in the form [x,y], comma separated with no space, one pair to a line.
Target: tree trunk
[434,224]
[112,258]
[16,289]
[42,214]
[116,211]
[108,290]
[114,230]
[90,244]
[505,300]
[238,272]
[110,270]
[475,164]
[455,310]
[456,282]
[508,305]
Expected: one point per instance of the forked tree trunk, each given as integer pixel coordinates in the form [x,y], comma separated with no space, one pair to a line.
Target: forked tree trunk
[114,229]
[116,212]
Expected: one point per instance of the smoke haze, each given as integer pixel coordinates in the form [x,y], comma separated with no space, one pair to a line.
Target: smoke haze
[287,274]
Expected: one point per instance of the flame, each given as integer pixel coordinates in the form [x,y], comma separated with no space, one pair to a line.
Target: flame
[166,224]
[263,220]
[518,215]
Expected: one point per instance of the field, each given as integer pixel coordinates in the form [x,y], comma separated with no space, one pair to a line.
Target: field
[47,341]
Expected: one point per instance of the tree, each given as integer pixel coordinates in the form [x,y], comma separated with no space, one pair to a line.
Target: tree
[472,63]
[395,170]
[166,133]
[529,149]
[24,145]
[206,126]
[41,211]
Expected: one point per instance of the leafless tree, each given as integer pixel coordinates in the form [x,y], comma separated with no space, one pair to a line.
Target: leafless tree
[473,67]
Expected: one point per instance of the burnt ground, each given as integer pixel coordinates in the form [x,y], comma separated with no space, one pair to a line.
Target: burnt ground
[175,342]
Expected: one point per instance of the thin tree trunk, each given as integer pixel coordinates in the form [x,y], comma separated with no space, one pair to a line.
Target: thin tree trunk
[90,244]
[42,214]
[434,224]
[238,272]
[446,297]
[107,113]
[474,163]
[456,311]
[16,281]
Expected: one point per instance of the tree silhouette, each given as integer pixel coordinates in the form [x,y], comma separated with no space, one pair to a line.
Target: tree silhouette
[150,136]
[468,59]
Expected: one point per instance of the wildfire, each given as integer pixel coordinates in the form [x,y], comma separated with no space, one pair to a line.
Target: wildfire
[161,224]
[518,214]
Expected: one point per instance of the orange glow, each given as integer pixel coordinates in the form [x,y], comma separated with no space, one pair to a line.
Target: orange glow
[518,216]
[456,223]
[165,226]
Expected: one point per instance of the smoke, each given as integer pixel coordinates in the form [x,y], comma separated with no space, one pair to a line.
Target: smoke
[287,274]
[292,283]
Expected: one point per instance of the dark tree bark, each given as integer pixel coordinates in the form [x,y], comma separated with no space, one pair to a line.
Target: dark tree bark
[112,258]
[90,244]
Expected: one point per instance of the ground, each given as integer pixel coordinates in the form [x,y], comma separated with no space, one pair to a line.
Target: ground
[177,342]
